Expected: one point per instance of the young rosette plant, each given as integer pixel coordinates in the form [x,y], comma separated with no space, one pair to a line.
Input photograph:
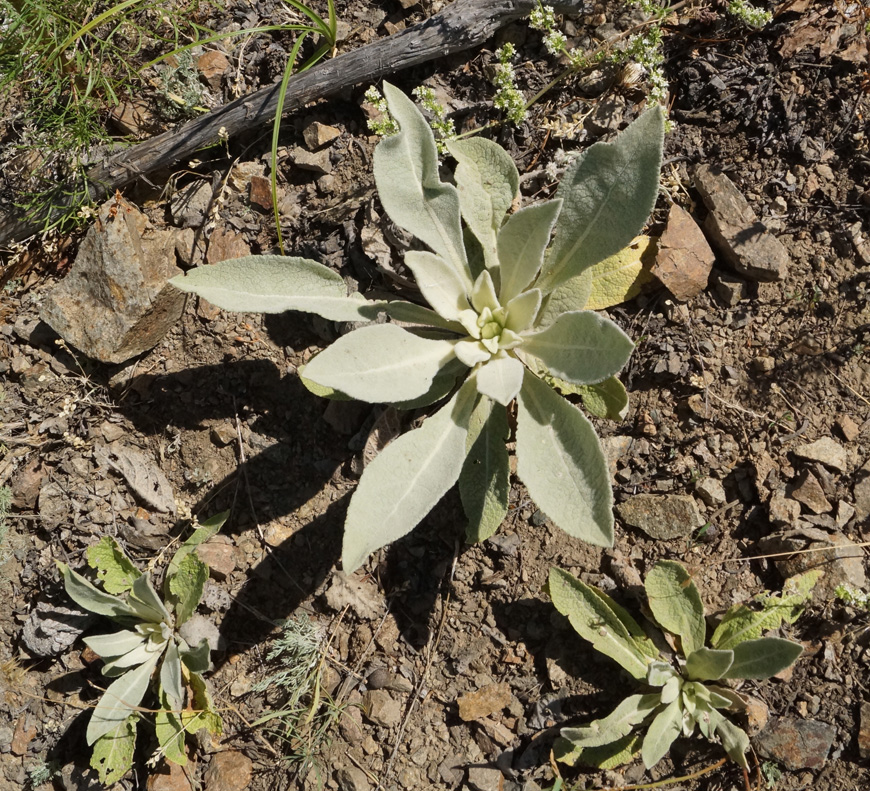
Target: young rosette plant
[681,696]
[505,321]
[148,648]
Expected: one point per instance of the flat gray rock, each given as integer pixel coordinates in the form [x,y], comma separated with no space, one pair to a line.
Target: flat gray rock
[662,516]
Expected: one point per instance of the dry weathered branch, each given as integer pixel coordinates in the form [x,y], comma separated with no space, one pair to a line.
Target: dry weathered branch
[460,26]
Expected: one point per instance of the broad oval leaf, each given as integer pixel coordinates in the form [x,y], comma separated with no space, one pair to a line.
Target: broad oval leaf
[661,734]
[630,712]
[142,653]
[108,646]
[676,604]
[91,598]
[500,379]
[521,244]
[620,277]
[484,483]
[708,664]
[606,399]
[596,622]
[439,283]
[581,347]
[560,461]
[198,658]
[406,479]
[121,698]
[608,756]
[488,183]
[406,174]
[608,193]
[114,569]
[112,756]
[146,603]
[186,586]
[171,683]
[571,295]
[381,363]
[273,284]
[763,658]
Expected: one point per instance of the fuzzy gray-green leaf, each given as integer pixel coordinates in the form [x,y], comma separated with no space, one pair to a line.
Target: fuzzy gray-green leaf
[406,174]
[171,683]
[608,193]
[484,483]
[676,604]
[439,283]
[596,622]
[734,740]
[500,379]
[406,479]
[274,284]
[114,569]
[560,461]
[763,658]
[521,244]
[581,347]
[109,646]
[381,363]
[661,734]
[708,664]
[91,598]
[187,585]
[632,711]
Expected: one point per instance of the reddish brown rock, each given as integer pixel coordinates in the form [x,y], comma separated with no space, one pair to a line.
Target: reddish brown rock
[484,702]
[212,66]
[228,771]
[318,135]
[797,744]
[219,554]
[169,777]
[225,244]
[684,259]
[809,492]
[260,193]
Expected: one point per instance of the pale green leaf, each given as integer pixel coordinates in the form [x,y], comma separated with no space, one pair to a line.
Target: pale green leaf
[273,284]
[630,712]
[488,182]
[202,713]
[406,479]
[381,363]
[439,283]
[734,740]
[640,638]
[484,483]
[170,734]
[500,379]
[202,533]
[471,352]
[608,756]
[559,459]
[708,664]
[198,658]
[143,599]
[661,734]
[671,690]
[114,569]
[91,598]
[608,193]
[406,174]
[569,296]
[321,391]
[620,277]
[676,604]
[522,310]
[121,698]
[171,683]
[521,244]
[144,653]
[109,646]
[483,293]
[442,386]
[581,347]
[411,313]
[594,620]
[606,399]
[186,586]
[763,658]
[659,673]
[112,757]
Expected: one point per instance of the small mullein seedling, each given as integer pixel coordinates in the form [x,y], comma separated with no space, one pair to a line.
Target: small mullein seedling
[149,640]
[682,697]
[507,321]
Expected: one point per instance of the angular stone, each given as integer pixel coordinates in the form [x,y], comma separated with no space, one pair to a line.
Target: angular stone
[841,561]
[228,771]
[219,554]
[115,302]
[318,135]
[485,778]
[861,493]
[782,511]
[225,244]
[212,65]
[735,230]
[731,290]
[168,777]
[827,451]
[848,428]
[711,491]
[809,492]
[662,516]
[260,192]
[684,258]
[189,205]
[484,702]
[317,162]
[797,744]
[381,708]
[350,778]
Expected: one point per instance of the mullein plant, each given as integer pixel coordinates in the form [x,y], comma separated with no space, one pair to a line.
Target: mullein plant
[506,323]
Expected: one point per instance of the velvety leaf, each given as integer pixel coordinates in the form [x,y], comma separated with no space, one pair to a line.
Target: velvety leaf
[608,193]
[108,646]
[120,699]
[661,734]
[559,459]
[570,296]
[500,379]
[202,713]
[671,690]
[439,283]
[170,734]
[483,293]
[112,756]
[91,598]
[411,313]
[407,479]
[521,244]
[581,347]
[406,174]
[142,653]
[321,391]
[646,646]
[676,604]
[632,711]
[203,533]
[763,658]
[620,277]
[171,684]
[472,352]
[197,658]
[115,570]
[522,310]
[187,585]
[606,399]
[734,740]
[659,673]
[381,363]
[442,386]
[488,182]
[273,284]
[708,664]
[143,599]
[608,756]
[595,621]
[484,483]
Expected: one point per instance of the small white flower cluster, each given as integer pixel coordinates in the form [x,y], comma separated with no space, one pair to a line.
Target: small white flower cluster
[440,124]
[384,124]
[749,14]
[543,18]
[507,96]
[646,51]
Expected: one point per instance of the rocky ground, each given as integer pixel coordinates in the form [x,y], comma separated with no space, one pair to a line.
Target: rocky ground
[444,665]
